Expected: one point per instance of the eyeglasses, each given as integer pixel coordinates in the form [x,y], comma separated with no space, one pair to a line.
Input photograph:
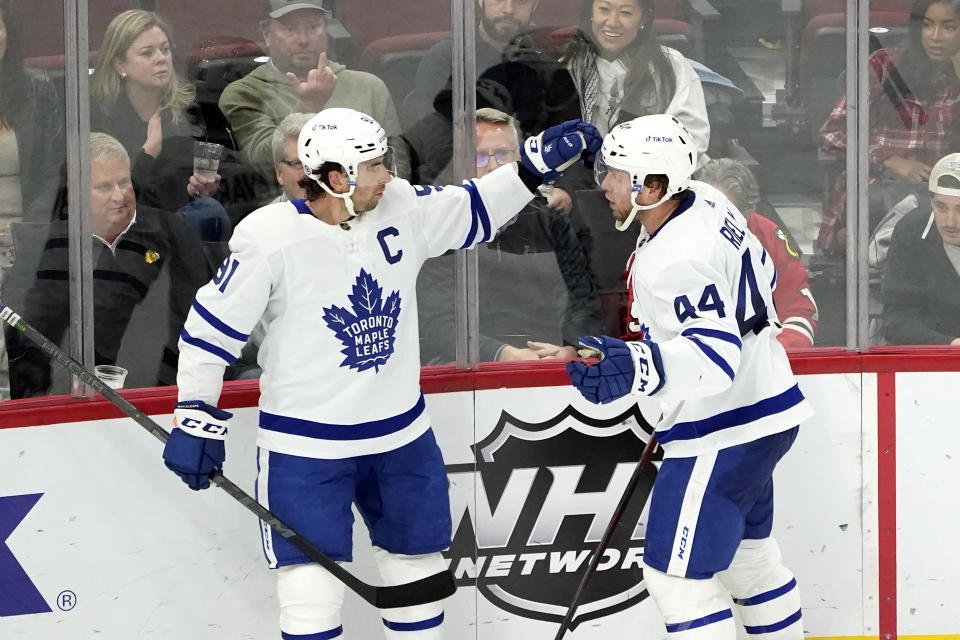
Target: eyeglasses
[293,164]
[502,156]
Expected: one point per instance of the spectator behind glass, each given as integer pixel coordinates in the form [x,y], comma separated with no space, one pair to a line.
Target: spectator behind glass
[796,308]
[299,78]
[914,110]
[621,72]
[921,276]
[31,137]
[132,245]
[513,76]
[141,101]
[31,149]
[499,23]
[286,163]
[534,282]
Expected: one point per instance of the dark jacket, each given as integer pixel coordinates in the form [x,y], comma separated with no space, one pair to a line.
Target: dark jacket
[157,241]
[921,288]
[161,182]
[40,140]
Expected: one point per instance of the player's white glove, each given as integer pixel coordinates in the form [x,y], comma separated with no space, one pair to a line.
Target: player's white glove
[196,446]
[559,147]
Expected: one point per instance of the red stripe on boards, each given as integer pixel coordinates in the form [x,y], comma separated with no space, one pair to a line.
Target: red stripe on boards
[887,498]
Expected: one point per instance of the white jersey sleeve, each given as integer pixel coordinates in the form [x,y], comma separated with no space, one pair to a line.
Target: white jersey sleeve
[223,314]
[693,301]
[461,216]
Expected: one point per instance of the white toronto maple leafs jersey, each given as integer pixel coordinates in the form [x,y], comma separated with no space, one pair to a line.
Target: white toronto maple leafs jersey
[702,290]
[340,360]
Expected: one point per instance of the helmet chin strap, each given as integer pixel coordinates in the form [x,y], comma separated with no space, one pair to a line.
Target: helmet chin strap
[348,203]
[625,224]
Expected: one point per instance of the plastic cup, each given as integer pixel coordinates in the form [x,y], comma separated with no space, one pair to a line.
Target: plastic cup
[111,375]
[206,159]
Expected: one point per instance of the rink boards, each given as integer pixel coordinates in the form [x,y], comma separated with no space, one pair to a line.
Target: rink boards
[99,540]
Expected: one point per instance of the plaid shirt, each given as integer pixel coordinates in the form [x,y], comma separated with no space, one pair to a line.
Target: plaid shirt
[921,130]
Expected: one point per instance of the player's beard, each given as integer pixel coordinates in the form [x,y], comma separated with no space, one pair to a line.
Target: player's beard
[360,208]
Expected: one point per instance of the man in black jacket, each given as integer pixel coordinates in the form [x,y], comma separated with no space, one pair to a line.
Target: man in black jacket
[513,75]
[921,278]
[132,247]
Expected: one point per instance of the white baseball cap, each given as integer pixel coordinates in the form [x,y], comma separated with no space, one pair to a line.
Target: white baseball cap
[946,166]
[278,8]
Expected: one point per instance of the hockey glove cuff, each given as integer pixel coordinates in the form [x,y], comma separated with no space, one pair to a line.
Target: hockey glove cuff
[558,148]
[196,446]
[624,368]
[201,419]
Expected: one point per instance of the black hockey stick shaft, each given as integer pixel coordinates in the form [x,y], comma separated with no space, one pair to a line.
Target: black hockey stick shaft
[429,589]
[607,535]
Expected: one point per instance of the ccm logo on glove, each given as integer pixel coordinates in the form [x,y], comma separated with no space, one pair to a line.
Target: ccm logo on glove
[210,427]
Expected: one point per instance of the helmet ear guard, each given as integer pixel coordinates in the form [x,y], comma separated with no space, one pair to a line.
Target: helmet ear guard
[650,145]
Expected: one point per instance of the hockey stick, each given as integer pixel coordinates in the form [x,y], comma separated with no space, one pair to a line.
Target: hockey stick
[429,589]
[607,535]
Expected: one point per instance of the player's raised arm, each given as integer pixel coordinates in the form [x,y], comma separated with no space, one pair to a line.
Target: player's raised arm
[461,216]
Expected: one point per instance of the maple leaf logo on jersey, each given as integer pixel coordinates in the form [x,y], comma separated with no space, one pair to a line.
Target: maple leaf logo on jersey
[370,329]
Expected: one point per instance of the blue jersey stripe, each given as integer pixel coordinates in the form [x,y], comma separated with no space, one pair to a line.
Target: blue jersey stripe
[414,626]
[776,626]
[719,616]
[773,283]
[330,431]
[715,357]
[763,257]
[323,635]
[685,204]
[219,324]
[228,357]
[302,206]
[476,203]
[714,333]
[766,596]
[474,221]
[733,418]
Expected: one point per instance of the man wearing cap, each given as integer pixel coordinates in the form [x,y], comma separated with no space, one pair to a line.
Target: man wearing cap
[298,77]
[921,277]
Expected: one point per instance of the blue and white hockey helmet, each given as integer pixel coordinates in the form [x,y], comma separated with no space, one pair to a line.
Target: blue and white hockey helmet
[344,136]
[649,145]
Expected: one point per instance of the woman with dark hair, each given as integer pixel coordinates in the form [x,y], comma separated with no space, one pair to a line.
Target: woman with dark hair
[623,72]
[139,99]
[914,112]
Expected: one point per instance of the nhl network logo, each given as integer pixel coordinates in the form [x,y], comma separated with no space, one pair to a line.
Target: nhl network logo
[544,494]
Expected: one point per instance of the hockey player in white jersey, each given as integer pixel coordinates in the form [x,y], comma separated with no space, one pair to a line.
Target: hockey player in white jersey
[332,280]
[731,406]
